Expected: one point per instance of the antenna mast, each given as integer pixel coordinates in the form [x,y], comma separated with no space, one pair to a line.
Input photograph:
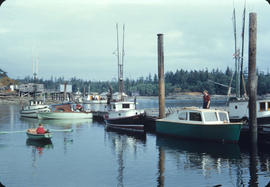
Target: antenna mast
[236,57]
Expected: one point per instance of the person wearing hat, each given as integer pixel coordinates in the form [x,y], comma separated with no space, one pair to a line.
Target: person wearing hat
[206,99]
[40,129]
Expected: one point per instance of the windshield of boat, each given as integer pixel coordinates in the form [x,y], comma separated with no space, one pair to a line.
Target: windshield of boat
[223,116]
[195,116]
[182,116]
[210,116]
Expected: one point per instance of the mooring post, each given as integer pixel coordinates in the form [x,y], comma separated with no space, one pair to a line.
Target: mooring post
[252,77]
[161,84]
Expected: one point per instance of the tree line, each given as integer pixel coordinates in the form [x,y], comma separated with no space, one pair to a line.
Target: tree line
[180,81]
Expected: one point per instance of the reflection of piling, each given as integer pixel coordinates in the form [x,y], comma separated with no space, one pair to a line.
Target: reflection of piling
[161,77]
[253,170]
[161,168]
[252,78]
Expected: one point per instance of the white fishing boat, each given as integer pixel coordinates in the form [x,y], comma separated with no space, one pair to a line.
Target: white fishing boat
[34,107]
[238,106]
[239,111]
[66,111]
[124,112]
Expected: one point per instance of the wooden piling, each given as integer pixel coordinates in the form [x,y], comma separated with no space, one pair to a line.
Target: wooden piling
[161,84]
[252,78]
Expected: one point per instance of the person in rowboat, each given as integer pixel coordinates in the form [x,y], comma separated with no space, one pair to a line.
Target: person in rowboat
[41,130]
[206,99]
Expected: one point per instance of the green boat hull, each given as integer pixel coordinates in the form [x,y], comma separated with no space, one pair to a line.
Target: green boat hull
[46,136]
[219,132]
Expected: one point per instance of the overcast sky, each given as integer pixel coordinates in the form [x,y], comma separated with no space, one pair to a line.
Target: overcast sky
[77,38]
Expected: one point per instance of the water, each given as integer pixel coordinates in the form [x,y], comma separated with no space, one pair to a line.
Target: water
[93,156]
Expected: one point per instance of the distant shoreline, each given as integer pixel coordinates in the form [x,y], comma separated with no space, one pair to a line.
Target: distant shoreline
[25,100]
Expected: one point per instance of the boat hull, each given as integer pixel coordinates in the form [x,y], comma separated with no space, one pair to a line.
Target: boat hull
[46,136]
[33,113]
[65,115]
[229,132]
[125,118]
[126,127]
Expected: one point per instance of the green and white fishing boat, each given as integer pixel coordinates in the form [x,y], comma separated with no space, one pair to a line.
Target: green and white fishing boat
[65,111]
[201,124]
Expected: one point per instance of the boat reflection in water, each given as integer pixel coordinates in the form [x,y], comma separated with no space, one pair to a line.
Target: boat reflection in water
[31,122]
[122,143]
[205,157]
[38,148]
[66,122]
[213,149]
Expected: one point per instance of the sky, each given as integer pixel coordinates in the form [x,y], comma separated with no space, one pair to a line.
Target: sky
[77,38]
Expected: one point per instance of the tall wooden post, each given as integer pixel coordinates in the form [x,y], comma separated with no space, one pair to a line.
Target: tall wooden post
[161,84]
[252,78]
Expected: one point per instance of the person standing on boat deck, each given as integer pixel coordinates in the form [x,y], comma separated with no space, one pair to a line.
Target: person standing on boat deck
[40,129]
[206,99]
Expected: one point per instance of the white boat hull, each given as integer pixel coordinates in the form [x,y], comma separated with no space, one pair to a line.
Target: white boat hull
[32,112]
[238,110]
[125,117]
[65,115]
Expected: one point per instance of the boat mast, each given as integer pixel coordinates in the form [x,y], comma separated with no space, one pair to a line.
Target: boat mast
[243,86]
[120,63]
[236,57]
[117,54]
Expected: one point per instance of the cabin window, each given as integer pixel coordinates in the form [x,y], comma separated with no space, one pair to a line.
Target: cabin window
[210,116]
[268,105]
[113,106]
[223,116]
[195,116]
[182,116]
[262,106]
[125,106]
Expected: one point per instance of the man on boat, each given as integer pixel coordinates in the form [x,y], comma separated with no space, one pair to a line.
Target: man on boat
[40,129]
[206,99]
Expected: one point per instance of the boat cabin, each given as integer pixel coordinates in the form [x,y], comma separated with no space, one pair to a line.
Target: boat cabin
[238,110]
[123,105]
[35,102]
[207,116]
[62,108]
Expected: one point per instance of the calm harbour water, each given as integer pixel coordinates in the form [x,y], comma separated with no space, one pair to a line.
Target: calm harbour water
[93,156]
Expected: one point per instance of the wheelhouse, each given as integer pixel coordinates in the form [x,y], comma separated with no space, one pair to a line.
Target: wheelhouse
[203,116]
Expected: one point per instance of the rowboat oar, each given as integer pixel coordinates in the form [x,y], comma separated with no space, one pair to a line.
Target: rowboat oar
[60,130]
[10,132]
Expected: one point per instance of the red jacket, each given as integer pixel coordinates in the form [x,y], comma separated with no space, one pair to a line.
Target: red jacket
[40,130]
